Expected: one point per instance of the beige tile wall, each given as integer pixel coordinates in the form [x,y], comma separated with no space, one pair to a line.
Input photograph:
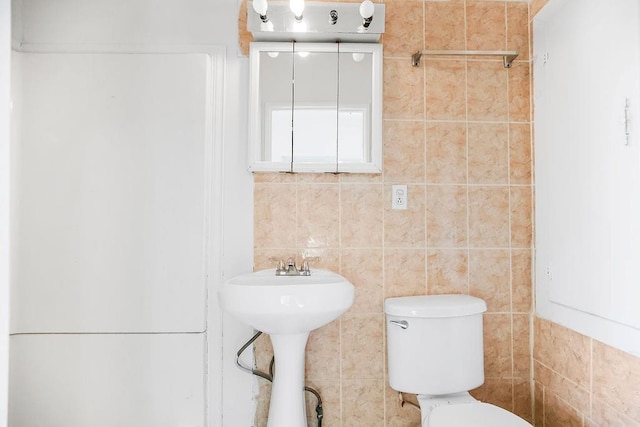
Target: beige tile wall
[458,133]
[582,382]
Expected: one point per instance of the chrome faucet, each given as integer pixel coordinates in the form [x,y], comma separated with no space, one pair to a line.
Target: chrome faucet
[290,268]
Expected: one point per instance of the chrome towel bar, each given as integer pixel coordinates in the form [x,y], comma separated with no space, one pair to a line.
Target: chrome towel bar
[507,55]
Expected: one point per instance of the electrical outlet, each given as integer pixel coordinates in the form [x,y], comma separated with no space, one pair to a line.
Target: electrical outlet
[399,197]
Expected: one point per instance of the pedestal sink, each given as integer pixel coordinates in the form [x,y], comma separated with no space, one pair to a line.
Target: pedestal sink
[287,308]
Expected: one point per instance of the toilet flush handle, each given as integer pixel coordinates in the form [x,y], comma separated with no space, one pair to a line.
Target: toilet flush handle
[402,323]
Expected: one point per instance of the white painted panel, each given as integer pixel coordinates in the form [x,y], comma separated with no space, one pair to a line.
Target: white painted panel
[5,97]
[104,380]
[587,66]
[238,402]
[111,202]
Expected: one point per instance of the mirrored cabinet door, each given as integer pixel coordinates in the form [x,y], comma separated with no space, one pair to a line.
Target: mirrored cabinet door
[315,107]
[355,108]
[275,101]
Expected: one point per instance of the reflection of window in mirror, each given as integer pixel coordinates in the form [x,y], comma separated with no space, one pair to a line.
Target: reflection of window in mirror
[315,106]
[313,143]
[353,127]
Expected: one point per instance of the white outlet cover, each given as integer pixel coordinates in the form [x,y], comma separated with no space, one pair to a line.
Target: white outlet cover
[399,197]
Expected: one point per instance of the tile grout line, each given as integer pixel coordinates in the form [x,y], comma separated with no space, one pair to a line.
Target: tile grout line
[384,282]
[509,231]
[466,122]
[414,183]
[340,322]
[438,120]
[591,378]
[532,214]
[425,169]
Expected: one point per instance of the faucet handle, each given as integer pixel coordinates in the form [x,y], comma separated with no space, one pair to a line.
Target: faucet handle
[304,268]
[280,268]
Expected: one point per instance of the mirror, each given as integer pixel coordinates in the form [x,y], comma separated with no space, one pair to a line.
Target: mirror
[315,107]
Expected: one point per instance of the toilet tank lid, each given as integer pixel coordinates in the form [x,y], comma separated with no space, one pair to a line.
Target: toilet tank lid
[433,306]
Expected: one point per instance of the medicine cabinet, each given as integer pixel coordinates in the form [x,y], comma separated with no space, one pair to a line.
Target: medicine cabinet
[315,107]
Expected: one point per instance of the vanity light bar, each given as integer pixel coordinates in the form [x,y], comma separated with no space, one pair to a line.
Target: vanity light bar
[321,22]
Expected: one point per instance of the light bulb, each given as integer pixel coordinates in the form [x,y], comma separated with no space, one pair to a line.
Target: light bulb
[266,26]
[260,7]
[358,56]
[367,9]
[297,7]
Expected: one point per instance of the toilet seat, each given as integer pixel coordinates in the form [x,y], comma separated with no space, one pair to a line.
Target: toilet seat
[473,414]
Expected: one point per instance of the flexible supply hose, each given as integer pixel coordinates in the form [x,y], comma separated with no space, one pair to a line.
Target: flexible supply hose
[269,376]
[404,401]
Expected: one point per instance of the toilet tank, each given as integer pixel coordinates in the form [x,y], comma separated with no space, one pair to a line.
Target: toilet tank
[440,351]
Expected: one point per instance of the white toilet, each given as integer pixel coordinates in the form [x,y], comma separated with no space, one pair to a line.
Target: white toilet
[435,350]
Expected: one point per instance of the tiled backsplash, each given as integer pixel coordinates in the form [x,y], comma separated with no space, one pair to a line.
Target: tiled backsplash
[458,133]
[582,382]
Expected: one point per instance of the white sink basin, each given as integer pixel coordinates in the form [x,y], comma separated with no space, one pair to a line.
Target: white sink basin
[287,308]
[286,304]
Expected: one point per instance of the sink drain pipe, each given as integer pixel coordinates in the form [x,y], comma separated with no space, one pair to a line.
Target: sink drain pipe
[269,376]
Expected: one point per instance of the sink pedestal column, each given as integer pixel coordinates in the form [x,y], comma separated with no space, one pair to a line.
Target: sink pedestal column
[287,406]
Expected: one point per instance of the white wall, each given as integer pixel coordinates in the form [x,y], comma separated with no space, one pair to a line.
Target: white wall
[176,23]
[5,60]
